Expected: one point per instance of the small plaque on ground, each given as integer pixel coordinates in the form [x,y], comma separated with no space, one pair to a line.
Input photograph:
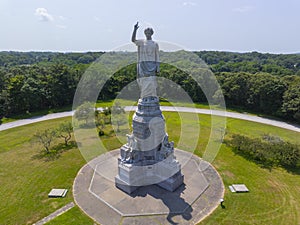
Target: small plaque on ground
[57,193]
[238,188]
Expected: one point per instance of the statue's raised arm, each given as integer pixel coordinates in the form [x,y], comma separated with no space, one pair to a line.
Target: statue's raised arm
[133,37]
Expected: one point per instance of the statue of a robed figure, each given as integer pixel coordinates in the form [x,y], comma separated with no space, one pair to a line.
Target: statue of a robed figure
[148,62]
[148,156]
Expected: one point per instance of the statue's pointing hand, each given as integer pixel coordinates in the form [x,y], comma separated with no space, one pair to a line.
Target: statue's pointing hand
[136,26]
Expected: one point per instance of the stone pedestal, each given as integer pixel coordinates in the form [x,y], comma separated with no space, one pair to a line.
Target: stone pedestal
[148,156]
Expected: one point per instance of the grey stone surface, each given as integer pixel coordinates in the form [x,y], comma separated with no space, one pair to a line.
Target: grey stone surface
[240,188]
[96,194]
[148,157]
[57,193]
[90,204]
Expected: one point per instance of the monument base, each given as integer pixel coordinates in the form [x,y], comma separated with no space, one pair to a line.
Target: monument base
[148,156]
[172,183]
[95,193]
[126,187]
[166,174]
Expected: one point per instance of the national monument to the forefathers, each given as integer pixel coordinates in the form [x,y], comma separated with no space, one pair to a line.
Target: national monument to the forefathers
[143,182]
[148,156]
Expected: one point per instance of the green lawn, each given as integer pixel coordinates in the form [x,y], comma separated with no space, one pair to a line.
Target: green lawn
[273,197]
[71,217]
[26,179]
[163,103]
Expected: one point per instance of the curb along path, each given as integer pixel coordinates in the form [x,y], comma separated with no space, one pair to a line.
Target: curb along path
[55,214]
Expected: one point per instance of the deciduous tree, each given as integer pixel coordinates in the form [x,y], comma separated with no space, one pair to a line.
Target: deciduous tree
[65,131]
[45,138]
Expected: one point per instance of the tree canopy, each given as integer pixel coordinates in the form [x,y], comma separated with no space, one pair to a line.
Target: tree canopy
[265,83]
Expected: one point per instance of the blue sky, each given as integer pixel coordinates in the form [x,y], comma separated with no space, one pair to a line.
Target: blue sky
[95,25]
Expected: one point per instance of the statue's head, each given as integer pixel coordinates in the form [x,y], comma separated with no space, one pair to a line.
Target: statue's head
[148,32]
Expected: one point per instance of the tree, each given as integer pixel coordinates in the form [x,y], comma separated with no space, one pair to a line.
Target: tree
[2,83]
[86,59]
[266,93]
[236,88]
[65,131]
[100,121]
[118,115]
[107,115]
[290,154]
[291,102]
[2,99]
[61,85]
[2,110]
[15,99]
[32,94]
[45,138]
[85,112]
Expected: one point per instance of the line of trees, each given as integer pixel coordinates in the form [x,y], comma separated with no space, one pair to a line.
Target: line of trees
[262,92]
[252,62]
[264,83]
[9,59]
[26,89]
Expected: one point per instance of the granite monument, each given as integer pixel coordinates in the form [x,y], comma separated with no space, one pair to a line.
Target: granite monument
[148,156]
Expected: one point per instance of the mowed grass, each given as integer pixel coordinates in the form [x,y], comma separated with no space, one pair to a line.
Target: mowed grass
[125,102]
[73,216]
[274,195]
[25,181]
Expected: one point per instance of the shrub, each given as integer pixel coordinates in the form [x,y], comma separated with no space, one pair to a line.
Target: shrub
[269,151]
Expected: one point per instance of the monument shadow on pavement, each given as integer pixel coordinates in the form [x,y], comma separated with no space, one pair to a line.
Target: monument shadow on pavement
[95,193]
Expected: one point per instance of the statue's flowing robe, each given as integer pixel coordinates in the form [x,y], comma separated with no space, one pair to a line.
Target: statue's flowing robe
[147,67]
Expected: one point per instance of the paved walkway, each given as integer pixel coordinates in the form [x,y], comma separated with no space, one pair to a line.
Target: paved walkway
[242,116]
[95,193]
[55,214]
[35,119]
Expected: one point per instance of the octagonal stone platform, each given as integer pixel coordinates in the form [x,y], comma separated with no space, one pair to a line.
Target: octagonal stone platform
[95,193]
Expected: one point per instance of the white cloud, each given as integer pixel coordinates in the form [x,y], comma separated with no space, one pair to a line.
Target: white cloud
[243,9]
[189,3]
[43,15]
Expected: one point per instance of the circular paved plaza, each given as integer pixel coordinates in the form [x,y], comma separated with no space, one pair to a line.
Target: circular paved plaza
[95,193]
